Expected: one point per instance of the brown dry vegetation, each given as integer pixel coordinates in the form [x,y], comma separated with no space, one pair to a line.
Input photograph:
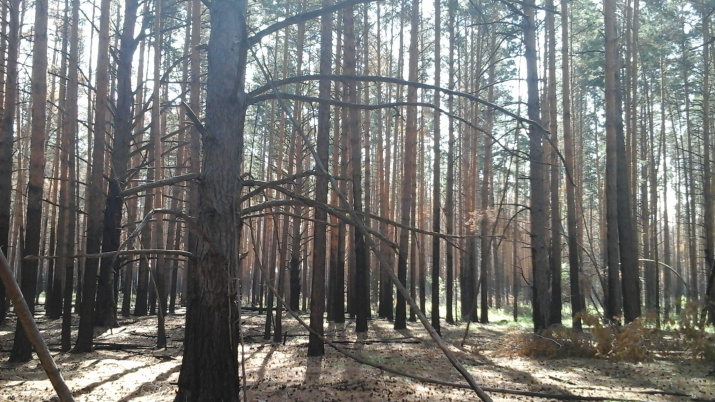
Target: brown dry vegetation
[125,367]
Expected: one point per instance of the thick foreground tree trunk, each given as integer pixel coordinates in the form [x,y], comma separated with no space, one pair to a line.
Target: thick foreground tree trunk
[207,373]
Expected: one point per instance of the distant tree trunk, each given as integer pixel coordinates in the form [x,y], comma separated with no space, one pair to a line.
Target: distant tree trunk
[409,168]
[367,141]
[340,237]
[627,233]
[554,188]
[385,308]
[317,288]
[691,197]
[362,283]
[613,295]
[436,167]
[210,367]
[572,221]
[7,136]
[194,143]
[141,306]
[21,348]
[156,133]
[297,159]
[708,203]
[449,198]
[95,189]
[646,219]
[106,305]
[486,228]
[539,203]
[667,251]
[68,189]
[55,271]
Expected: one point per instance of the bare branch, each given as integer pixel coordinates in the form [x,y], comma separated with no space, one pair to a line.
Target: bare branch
[390,80]
[298,18]
[159,183]
[181,253]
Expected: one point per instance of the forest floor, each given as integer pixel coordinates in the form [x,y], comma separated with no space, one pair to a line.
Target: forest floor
[126,367]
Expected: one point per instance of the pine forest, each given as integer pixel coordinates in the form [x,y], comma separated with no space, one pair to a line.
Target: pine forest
[301,200]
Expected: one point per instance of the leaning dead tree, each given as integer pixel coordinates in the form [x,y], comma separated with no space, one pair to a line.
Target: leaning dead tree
[25,318]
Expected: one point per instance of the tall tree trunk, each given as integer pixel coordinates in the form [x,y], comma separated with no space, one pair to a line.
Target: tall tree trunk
[409,168]
[194,143]
[708,202]
[7,136]
[106,305]
[436,167]
[385,308]
[627,231]
[362,283]
[207,373]
[614,297]
[486,228]
[69,187]
[572,221]
[555,191]
[539,203]
[449,198]
[296,163]
[95,189]
[21,348]
[317,288]
[156,132]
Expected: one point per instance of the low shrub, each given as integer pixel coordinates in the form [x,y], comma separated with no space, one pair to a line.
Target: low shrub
[634,342]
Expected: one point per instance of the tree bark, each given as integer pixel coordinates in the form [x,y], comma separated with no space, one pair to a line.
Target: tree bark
[613,295]
[317,288]
[7,136]
[409,169]
[106,305]
[569,149]
[539,202]
[708,203]
[554,188]
[627,233]
[362,284]
[207,373]
[449,197]
[95,189]
[436,168]
[22,348]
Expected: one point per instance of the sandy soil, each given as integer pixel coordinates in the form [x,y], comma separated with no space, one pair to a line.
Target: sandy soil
[126,367]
